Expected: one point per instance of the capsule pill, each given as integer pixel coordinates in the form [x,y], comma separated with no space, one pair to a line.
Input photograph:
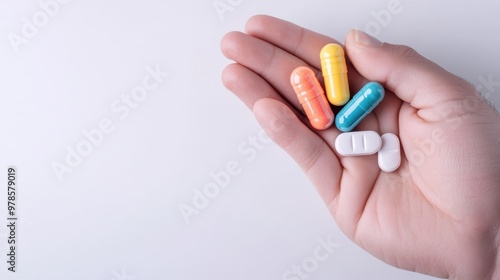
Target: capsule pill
[359,106]
[312,97]
[333,66]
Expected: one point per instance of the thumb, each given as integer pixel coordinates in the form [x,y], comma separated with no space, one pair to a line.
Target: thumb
[412,77]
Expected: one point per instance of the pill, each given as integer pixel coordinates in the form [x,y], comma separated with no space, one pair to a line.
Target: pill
[360,105]
[312,97]
[358,143]
[389,156]
[334,70]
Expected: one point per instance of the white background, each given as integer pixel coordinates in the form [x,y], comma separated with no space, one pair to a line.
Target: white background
[116,215]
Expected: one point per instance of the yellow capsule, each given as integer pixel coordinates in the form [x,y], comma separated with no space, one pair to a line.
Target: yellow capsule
[335,74]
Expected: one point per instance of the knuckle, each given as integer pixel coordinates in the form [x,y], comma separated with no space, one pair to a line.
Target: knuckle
[406,52]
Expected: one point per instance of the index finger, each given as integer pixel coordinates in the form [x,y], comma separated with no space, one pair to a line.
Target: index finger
[298,41]
[290,37]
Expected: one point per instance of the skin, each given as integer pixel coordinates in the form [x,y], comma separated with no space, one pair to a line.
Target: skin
[439,213]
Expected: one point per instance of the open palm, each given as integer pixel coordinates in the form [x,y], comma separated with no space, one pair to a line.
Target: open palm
[437,214]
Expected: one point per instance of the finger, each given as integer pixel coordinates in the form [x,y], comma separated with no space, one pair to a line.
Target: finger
[270,62]
[431,95]
[402,70]
[298,41]
[247,85]
[313,155]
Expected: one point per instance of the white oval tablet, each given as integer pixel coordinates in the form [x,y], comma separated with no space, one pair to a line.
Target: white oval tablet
[389,156]
[358,143]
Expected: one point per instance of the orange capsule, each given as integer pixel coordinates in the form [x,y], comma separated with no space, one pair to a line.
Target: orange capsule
[312,97]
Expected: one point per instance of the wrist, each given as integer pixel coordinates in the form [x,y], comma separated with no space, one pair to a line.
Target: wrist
[480,261]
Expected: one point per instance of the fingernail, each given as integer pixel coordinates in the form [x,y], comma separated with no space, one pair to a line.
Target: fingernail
[366,39]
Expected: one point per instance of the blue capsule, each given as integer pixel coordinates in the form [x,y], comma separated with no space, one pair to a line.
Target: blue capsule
[359,106]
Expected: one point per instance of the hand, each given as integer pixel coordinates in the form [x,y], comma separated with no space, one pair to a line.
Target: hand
[439,213]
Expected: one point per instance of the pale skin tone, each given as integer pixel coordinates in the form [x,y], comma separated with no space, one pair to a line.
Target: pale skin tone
[439,213]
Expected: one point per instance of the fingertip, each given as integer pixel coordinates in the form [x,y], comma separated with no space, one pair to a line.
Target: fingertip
[256,22]
[349,37]
[229,75]
[350,40]
[357,43]
[229,42]
[366,40]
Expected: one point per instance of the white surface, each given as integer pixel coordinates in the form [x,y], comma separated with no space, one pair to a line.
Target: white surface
[358,143]
[389,156]
[116,215]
